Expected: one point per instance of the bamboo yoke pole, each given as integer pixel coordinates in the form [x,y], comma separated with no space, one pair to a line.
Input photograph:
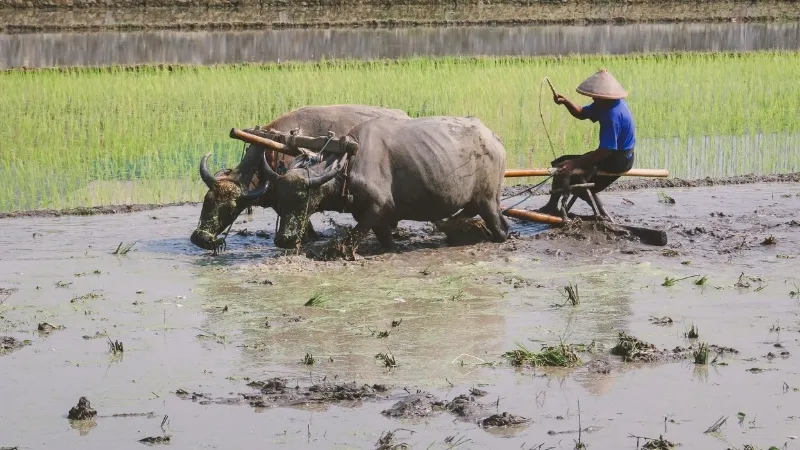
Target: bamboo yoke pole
[268,143]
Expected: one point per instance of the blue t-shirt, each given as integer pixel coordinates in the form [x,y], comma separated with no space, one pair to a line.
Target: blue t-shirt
[617,131]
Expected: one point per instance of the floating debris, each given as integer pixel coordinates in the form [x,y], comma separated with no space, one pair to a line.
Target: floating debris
[155,440]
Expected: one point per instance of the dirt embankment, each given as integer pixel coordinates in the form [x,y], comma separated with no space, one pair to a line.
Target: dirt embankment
[17,16]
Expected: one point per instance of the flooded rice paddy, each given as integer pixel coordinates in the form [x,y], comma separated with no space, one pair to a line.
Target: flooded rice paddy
[225,47]
[212,328]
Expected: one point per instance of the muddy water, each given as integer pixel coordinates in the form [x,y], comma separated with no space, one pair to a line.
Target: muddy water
[106,48]
[192,321]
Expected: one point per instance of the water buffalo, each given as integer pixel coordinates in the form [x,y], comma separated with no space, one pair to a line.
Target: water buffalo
[231,191]
[424,169]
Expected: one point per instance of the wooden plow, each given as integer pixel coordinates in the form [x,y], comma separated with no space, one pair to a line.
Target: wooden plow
[646,235]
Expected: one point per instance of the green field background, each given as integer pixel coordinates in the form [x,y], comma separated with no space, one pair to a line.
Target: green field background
[86,137]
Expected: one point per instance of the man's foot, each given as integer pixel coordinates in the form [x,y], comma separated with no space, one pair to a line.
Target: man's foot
[548,209]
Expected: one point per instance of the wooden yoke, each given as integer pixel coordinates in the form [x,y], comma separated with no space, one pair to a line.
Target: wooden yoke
[291,144]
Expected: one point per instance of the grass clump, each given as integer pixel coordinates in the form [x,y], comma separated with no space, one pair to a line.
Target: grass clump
[701,354]
[561,355]
[80,138]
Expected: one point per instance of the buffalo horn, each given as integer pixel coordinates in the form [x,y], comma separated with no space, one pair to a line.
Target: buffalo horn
[263,179]
[328,176]
[208,179]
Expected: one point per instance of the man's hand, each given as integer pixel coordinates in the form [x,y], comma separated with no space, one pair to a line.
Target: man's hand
[566,167]
[559,99]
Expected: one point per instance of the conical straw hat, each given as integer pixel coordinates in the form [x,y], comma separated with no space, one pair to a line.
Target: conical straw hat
[602,85]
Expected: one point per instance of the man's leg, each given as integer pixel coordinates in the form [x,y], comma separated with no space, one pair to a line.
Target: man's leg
[558,182]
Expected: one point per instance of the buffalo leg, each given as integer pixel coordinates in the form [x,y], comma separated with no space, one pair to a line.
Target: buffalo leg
[496,223]
[384,235]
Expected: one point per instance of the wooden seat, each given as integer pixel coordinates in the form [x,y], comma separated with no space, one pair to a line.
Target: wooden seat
[585,184]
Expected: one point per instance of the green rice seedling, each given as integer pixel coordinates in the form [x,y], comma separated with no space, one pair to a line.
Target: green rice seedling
[123,249]
[664,198]
[701,354]
[308,359]
[315,300]
[701,281]
[87,137]
[561,355]
[115,346]
[387,359]
[692,333]
[571,293]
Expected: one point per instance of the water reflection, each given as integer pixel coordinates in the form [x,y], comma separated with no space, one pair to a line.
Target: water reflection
[105,48]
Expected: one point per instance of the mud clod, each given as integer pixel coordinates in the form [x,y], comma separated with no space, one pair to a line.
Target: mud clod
[658,444]
[477,392]
[464,406]
[463,231]
[415,405]
[504,420]
[277,392]
[632,349]
[47,328]
[661,320]
[9,344]
[82,411]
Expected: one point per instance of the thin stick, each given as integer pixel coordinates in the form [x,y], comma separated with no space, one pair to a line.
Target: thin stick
[544,125]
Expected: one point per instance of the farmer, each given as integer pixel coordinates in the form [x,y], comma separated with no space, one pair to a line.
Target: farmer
[614,153]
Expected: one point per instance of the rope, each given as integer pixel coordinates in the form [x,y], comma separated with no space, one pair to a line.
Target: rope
[530,192]
[535,187]
[541,87]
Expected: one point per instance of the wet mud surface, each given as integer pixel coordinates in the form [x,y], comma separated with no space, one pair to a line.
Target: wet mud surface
[407,347]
